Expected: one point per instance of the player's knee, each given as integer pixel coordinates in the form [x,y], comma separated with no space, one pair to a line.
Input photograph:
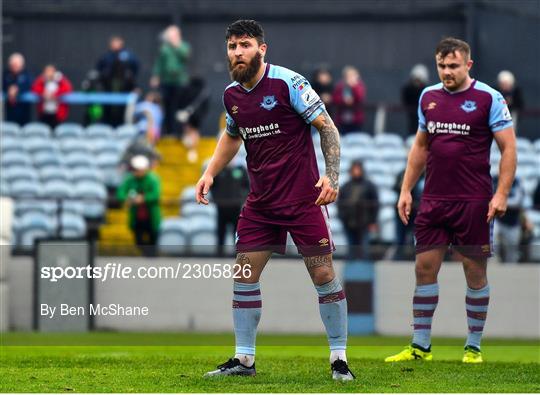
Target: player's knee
[322,276]
[425,271]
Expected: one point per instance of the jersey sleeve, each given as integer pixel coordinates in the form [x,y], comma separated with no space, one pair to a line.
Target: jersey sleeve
[231,127]
[305,101]
[499,114]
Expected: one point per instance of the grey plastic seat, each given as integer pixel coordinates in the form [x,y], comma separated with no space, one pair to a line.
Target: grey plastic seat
[187,195]
[25,188]
[50,173]
[73,225]
[46,207]
[79,159]
[48,158]
[57,189]
[10,129]
[98,130]
[172,239]
[68,130]
[36,129]
[16,173]
[126,132]
[191,209]
[16,159]
[203,242]
[388,140]
[12,144]
[87,174]
[94,196]
[73,145]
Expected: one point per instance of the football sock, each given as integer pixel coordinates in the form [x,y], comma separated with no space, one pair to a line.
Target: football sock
[246,305]
[337,354]
[246,359]
[333,309]
[476,303]
[425,302]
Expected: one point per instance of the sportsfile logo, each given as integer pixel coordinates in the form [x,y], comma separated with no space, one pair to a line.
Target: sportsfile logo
[462,129]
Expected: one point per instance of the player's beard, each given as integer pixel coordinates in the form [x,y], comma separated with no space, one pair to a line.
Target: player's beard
[248,72]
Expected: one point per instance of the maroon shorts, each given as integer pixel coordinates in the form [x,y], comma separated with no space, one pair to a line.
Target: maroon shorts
[266,230]
[461,224]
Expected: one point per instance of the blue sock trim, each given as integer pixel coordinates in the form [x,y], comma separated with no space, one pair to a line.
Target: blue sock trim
[427,289]
[329,288]
[478,293]
[246,287]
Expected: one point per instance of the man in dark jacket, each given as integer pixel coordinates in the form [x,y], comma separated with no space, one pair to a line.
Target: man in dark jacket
[16,82]
[117,69]
[358,207]
[229,191]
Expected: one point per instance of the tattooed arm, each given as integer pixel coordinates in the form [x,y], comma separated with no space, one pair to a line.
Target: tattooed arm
[328,183]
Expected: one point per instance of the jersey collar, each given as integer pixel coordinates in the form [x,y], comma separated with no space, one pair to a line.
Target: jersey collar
[260,79]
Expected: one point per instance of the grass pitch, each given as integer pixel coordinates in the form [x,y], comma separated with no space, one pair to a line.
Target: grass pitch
[111,362]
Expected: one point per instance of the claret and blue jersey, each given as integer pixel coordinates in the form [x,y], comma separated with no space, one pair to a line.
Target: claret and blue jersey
[460,129]
[273,118]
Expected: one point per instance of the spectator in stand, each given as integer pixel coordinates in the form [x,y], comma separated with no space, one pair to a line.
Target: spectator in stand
[322,84]
[229,191]
[193,108]
[506,84]
[410,95]
[149,117]
[508,227]
[117,69]
[141,189]
[171,75]
[16,81]
[50,86]
[358,209]
[349,97]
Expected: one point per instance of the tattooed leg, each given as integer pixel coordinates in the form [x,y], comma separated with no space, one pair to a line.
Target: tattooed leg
[320,268]
[251,264]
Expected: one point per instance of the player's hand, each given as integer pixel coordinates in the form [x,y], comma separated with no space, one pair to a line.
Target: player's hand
[202,188]
[328,194]
[404,207]
[497,207]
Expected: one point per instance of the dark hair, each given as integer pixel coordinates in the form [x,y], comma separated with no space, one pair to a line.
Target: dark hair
[449,45]
[246,27]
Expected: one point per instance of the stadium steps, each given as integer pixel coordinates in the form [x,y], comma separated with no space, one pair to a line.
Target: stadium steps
[176,173]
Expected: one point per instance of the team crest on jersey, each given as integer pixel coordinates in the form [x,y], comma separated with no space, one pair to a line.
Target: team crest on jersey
[468,106]
[234,109]
[268,102]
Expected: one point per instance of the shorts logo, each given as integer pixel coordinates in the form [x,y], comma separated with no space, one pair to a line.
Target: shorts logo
[235,109]
[269,102]
[431,105]
[468,106]
[323,242]
[486,248]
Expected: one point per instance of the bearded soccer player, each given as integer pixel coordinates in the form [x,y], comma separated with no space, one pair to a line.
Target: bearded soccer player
[458,120]
[270,109]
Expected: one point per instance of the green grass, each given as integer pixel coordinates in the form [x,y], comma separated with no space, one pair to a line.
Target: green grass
[111,362]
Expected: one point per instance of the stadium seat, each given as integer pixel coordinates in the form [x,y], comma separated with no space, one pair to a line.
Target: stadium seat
[172,239]
[87,174]
[524,145]
[72,145]
[203,242]
[199,224]
[537,146]
[46,159]
[106,146]
[73,206]
[77,160]
[57,189]
[97,131]
[12,174]
[392,154]
[387,231]
[387,197]
[191,209]
[73,225]
[25,206]
[17,159]
[376,167]
[107,160]
[68,130]
[336,225]
[358,139]
[388,140]
[31,226]
[36,145]
[188,195]
[36,129]
[50,173]
[25,188]
[126,132]
[9,129]
[94,196]
[409,141]
[11,144]
[4,187]
[340,241]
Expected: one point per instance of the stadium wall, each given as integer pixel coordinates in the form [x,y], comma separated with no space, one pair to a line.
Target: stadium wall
[290,301]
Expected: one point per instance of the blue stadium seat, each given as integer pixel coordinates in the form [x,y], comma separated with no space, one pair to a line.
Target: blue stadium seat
[203,242]
[57,189]
[72,145]
[102,146]
[17,159]
[32,226]
[336,225]
[47,158]
[94,196]
[36,129]
[35,145]
[25,188]
[4,187]
[73,226]
[12,174]
[388,140]
[79,159]
[107,160]
[382,180]
[68,130]
[50,173]
[188,195]
[387,197]
[200,224]
[73,206]
[97,131]
[172,239]
[357,139]
[191,209]
[410,140]
[537,146]
[524,145]
[340,241]
[11,144]
[126,132]
[9,129]
[46,207]
[87,174]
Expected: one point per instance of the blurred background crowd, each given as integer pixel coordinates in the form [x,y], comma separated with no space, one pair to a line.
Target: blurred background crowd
[111,111]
